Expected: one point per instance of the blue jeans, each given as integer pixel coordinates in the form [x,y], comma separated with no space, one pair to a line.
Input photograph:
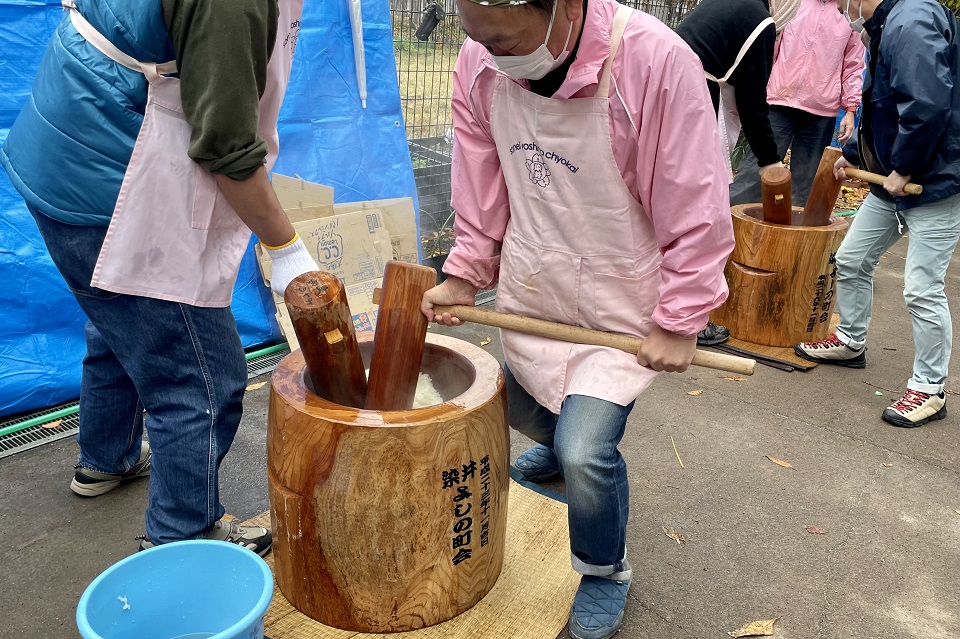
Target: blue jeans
[184,365]
[934,230]
[807,135]
[584,436]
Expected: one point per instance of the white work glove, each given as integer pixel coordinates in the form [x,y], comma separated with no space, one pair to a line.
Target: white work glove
[287,263]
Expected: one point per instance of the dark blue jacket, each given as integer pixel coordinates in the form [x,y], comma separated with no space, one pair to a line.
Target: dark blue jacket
[911,100]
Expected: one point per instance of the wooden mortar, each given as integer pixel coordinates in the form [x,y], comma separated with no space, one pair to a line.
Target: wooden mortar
[387,521]
[782,279]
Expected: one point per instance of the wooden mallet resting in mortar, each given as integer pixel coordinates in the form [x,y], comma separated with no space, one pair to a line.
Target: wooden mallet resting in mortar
[399,340]
[776,187]
[320,314]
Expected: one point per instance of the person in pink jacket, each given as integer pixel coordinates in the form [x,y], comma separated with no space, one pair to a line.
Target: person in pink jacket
[817,71]
[588,181]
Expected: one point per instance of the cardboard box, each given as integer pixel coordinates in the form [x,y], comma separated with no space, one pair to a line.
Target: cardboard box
[353,241]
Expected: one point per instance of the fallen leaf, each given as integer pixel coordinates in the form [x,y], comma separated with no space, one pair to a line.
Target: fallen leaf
[734,379]
[878,393]
[696,392]
[54,424]
[887,465]
[485,342]
[675,535]
[755,629]
[779,462]
[813,530]
[253,387]
[227,518]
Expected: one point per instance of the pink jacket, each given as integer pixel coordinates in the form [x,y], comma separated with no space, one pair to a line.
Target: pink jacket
[665,142]
[818,62]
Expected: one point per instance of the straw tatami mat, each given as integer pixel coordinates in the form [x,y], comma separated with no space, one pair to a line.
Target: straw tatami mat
[531,599]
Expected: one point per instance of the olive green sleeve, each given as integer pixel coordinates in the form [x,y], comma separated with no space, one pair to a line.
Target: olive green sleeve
[223,48]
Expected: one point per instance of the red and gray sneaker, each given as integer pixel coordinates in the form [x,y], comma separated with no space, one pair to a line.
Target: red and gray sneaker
[832,351]
[916,409]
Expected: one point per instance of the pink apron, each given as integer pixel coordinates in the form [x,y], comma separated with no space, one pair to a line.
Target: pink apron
[728,118]
[173,235]
[579,249]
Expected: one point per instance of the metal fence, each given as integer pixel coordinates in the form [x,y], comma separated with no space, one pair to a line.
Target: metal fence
[427,37]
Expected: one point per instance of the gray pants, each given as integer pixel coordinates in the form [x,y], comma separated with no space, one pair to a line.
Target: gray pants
[934,229]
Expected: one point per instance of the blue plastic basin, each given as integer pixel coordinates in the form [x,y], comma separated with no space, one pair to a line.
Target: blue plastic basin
[185,590]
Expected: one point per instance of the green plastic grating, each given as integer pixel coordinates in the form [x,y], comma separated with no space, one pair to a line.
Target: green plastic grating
[37,435]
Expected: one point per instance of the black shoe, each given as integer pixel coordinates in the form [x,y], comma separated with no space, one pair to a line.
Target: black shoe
[712,335]
[92,483]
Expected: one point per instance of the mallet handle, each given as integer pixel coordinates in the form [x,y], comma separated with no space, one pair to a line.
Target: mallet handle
[580,335]
[875,178]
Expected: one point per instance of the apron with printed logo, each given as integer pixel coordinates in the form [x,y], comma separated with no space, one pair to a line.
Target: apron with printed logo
[173,236]
[579,249]
[728,118]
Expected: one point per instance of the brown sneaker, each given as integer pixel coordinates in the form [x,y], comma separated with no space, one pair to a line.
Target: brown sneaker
[916,409]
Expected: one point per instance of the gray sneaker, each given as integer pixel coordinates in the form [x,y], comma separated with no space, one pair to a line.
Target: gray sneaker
[254,538]
[91,483]
[832,351]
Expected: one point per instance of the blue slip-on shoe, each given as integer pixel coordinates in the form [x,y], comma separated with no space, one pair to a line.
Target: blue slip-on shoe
[597,611]
[538,463]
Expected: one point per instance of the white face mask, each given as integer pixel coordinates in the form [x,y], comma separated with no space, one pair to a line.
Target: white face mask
[534,66]
[856,25]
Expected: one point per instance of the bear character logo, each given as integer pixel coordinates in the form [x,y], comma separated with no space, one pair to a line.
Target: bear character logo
[539,173]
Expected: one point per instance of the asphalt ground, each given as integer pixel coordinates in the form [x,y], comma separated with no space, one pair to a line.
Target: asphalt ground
[888,500]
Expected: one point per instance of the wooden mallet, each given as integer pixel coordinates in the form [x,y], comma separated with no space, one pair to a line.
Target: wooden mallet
[580,335]
[826,188]
[823,192]
[317,302]
[399,340]
[776,187]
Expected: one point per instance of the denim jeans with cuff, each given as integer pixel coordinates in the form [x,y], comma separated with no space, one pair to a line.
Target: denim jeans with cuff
[183,364]
[584,436]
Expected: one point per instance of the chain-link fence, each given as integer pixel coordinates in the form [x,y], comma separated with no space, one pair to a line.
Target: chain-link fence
[427,37]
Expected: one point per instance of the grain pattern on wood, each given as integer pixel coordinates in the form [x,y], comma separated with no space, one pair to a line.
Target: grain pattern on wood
[776,185]
[823,192]
[782,280]
[320,314]
[398,341]
[395,520]
[579,335]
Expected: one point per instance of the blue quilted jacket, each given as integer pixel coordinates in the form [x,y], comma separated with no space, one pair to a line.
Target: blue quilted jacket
[69,147]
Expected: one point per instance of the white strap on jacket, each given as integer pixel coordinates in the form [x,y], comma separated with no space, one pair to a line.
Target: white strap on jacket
[616,35]
[743,51]
[150,69]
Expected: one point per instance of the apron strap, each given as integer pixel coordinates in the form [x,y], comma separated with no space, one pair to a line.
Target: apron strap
[616,35]
[743,51]
[150,69]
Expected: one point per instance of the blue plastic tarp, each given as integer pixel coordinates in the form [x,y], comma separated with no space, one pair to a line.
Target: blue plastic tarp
[325,137]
